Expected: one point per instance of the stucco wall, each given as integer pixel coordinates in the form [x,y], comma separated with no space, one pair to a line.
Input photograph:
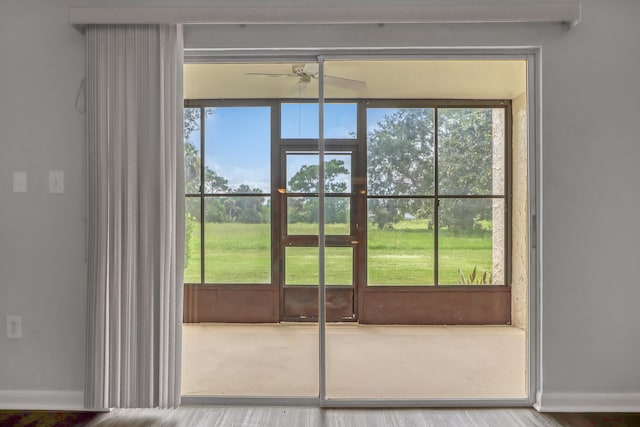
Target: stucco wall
[519,215]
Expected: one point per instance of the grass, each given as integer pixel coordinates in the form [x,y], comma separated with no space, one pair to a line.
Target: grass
[404,255]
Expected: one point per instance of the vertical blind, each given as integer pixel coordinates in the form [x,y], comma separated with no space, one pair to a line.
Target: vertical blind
[135,194]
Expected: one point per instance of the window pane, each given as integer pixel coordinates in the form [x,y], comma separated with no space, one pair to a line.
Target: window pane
[340,121]
[337,173]
[303,171]
[237,240]
[300,121]
[237,149]
[301,266]
[302,215]
[192,240]
[336,215]
[471,151]
[339,266]
[471,238]
[400,247]
[400,151]
[192,155]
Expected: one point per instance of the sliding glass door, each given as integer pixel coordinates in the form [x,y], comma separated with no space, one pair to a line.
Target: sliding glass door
[432,217]
[239,171]
[349,231]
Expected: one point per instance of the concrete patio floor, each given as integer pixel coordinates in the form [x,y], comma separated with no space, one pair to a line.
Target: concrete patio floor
[363,361]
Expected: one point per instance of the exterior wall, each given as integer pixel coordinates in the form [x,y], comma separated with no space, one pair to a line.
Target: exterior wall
[520,215]
[498,233]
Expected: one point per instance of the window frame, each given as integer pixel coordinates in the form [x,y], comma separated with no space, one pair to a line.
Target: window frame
[437,104]
[361,142]
[202,196]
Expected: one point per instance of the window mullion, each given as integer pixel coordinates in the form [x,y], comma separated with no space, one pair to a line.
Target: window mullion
[202,188]
[436,203]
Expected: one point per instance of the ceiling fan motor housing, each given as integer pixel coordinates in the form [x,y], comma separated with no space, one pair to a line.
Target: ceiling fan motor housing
[305,70]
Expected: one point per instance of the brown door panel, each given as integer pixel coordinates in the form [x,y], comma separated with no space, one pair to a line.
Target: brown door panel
[301,304]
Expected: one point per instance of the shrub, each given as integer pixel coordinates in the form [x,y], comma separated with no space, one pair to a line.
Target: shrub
[474,278]
[190,222]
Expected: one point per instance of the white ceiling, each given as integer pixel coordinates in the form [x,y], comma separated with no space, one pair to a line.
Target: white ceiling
[384,79]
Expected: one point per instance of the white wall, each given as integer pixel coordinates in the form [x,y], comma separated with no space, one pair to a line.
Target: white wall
[591,104]
[42,269]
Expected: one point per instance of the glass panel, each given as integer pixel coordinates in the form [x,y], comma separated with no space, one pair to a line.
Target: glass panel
[336,215]
[339,266]
[337,173]
[302,173]
[300,121]
[400,151]
[302,215]
[418,361]
[192,241]
[400,247]
[471,242]
[471,151]
[192,157]
[237,149]
[237,240]
[236,347]
[301,266]
[340,121]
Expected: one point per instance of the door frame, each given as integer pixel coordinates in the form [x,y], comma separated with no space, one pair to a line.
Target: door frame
[343,299]
[532,55]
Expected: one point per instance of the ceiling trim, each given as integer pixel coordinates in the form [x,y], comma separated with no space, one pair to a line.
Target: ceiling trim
[569,13]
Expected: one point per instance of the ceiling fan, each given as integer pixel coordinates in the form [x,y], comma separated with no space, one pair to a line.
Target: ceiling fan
[306,72]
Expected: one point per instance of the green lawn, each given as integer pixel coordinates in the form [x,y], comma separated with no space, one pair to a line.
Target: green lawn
[241,253]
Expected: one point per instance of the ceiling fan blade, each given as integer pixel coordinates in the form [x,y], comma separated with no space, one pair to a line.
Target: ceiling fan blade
[355,85]
[270,75]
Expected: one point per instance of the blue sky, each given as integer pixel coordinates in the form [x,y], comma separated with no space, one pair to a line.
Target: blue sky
[237,139]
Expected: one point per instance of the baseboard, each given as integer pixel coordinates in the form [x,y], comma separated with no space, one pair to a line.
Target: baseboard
[72,400]
[587,402]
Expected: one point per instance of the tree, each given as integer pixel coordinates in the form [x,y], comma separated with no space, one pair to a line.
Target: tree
[401,161]
[305,209]
[191,154]
[465,139]
[213,182]
[250,210]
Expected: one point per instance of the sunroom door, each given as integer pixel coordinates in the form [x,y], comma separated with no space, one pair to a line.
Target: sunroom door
[299,201]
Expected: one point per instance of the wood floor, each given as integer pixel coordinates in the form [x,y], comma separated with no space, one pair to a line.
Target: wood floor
[313,417]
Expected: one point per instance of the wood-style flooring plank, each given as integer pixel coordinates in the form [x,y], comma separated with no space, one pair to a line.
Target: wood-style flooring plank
[238,416]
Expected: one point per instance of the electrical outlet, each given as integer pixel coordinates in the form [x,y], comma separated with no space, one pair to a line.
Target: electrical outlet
[14,327]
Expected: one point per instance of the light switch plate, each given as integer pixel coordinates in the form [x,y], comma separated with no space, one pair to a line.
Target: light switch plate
[19,182]
[56,182]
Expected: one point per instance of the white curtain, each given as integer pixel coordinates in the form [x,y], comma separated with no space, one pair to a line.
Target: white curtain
[135,195]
